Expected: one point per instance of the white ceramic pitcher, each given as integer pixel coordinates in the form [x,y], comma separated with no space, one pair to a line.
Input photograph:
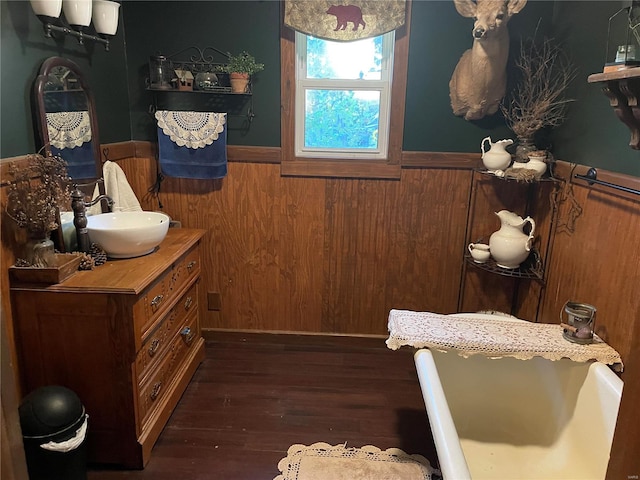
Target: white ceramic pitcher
[510,246]
[496,158]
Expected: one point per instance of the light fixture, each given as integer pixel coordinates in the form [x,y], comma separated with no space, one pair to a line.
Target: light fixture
[77,18]
[105,16]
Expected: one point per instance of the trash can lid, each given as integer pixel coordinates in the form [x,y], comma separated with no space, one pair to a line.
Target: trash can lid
[48,410]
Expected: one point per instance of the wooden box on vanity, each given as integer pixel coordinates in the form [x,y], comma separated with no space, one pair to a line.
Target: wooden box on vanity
[125,337]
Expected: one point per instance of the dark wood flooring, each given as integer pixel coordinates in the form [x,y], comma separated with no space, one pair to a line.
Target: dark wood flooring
[257,394]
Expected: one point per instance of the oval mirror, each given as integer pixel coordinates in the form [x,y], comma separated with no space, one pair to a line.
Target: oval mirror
[66,119]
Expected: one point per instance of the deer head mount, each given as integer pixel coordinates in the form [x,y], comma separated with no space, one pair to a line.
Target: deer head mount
[479,80]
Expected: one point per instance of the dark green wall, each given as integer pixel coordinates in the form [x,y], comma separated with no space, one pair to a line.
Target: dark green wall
[592,134]
[439,37]
[23,48]
[169,27]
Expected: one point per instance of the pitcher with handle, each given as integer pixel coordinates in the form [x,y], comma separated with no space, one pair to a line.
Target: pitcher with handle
[510,246]
[496,158]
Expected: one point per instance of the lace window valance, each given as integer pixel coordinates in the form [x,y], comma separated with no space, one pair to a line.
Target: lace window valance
[344,20]
[191,129]
[68,129]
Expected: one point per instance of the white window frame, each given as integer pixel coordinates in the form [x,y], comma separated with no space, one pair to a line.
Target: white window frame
[383,85]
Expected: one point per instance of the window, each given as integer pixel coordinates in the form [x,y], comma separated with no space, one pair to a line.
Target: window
[313,122]
[343,94]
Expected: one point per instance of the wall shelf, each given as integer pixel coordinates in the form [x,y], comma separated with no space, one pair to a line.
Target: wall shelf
[531,268]
[214,98]
[622,87]
[212,91]
[489,173]
[486,286]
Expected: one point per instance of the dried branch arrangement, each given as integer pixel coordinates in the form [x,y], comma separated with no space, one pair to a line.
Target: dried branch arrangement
[538,100]
[35,193]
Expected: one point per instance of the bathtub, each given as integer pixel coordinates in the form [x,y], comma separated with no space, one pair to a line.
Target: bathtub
[519,419]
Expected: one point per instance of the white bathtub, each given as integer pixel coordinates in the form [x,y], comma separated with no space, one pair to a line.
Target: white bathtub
[519,419]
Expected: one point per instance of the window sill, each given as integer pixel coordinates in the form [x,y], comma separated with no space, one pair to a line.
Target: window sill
[340,168]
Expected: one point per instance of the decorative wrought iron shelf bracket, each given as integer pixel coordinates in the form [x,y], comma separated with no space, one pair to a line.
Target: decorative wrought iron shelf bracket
[531,268]
[205,60]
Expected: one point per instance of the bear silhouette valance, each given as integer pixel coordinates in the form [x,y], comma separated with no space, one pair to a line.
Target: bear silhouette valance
[344,20]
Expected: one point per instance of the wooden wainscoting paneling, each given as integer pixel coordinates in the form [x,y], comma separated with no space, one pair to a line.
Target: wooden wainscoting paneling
[12,239]
[596,260]
[391,244]
[321,254]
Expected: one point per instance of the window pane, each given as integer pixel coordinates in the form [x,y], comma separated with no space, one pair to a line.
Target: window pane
[341,119]
[344,60]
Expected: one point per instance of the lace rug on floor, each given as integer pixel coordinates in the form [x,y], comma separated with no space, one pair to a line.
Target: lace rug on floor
[322,461]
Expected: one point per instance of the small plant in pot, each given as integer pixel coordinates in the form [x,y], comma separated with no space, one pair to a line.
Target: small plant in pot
[35,193]
[240,68]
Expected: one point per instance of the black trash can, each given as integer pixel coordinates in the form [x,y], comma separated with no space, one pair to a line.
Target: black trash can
[54,424]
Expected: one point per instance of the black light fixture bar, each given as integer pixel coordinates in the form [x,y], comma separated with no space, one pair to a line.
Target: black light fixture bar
[81,36]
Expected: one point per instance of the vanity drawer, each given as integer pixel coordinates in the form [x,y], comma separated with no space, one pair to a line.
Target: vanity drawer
[156,342]
[161,294]
[160,380]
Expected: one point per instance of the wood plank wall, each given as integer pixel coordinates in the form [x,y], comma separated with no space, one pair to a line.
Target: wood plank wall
[321,255]
[325,255]
[596,260]
[334,255]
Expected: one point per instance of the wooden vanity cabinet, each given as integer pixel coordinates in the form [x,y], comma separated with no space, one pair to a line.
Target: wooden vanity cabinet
[125,337]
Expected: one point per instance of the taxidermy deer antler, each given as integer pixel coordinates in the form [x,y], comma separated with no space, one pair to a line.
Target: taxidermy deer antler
[479,81]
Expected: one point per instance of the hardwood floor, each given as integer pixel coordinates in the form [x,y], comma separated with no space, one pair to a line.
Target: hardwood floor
[257,394]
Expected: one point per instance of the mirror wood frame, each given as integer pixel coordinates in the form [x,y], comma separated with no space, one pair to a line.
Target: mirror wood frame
[86,185]
[44,141]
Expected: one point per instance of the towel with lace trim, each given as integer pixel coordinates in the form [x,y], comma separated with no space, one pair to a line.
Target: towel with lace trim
[494,338]
[192,144]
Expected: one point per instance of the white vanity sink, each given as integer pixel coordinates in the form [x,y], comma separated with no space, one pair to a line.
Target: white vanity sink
[128,234]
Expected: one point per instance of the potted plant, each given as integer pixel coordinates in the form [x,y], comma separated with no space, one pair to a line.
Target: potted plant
[240,67]
[538,100]
[35,193]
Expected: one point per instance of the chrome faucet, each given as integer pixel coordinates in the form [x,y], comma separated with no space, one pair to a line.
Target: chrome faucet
[79,207]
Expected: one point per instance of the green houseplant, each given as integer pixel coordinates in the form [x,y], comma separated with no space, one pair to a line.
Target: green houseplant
[240,67]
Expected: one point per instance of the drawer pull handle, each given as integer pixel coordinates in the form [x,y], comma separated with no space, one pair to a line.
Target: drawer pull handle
[154,347]
[188,302]
[156,300]
[187,335]
[190,265]
[155,391]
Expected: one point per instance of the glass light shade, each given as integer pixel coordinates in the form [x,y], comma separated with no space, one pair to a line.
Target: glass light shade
[105,16]
[77,12]
[47,8]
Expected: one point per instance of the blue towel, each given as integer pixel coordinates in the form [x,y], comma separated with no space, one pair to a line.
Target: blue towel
[80,160]
[192,144]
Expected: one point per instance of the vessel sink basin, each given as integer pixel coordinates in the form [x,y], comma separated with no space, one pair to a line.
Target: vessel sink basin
[128,234]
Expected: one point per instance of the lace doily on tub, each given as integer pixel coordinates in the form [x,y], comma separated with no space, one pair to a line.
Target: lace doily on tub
[68,129]
[191,129]
[493,338]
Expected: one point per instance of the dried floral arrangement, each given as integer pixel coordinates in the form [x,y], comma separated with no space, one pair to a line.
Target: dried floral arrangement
[538,100]
[35,193]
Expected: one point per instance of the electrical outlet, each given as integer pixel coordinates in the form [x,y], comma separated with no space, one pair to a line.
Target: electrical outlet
[214,301]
